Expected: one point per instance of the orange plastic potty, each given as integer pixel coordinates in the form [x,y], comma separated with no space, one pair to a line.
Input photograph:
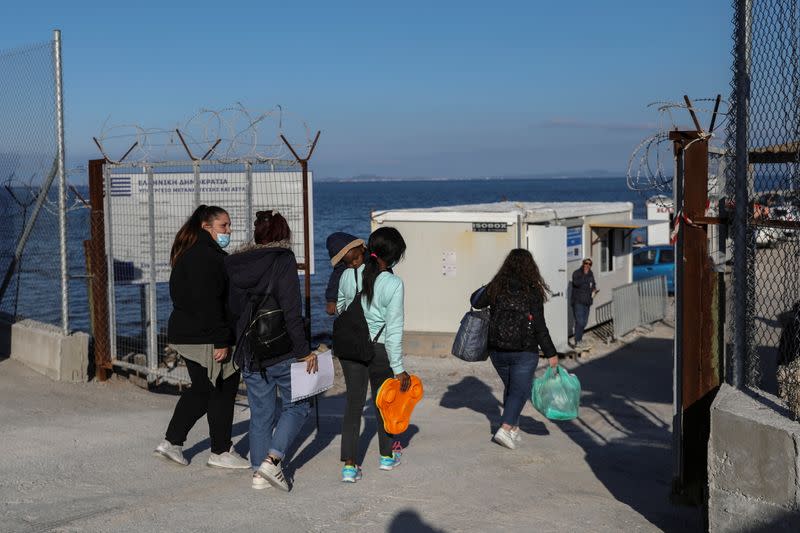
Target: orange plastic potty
[396,406]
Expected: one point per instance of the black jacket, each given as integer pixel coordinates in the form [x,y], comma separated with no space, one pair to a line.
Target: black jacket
[249,271]
[541,335]
[198,287]
[332,291]
[583,287]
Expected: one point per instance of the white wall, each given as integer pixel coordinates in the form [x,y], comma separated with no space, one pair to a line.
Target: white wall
[435,302]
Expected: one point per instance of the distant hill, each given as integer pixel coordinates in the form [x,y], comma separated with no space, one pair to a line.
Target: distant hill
[543,175]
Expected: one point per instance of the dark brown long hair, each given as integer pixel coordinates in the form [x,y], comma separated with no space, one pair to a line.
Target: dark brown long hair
[388,244]
[518,267]
[270,226]
[191,229]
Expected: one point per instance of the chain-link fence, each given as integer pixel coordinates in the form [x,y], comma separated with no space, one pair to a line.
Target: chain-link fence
[145,206]
[34,262]
[763,187]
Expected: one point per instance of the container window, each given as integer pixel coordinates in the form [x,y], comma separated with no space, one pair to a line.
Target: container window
[607,251]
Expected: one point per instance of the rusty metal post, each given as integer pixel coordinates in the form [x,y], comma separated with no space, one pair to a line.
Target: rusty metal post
[303,161]
[698,361]
[306,247]
[97,269]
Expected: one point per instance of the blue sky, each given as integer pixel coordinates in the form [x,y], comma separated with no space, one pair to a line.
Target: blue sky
[427,89]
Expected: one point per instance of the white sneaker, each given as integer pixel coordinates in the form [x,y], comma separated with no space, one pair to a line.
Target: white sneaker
[172,452]
[259,483]
[503,437]
[273,474]
[229,459]
[515,435]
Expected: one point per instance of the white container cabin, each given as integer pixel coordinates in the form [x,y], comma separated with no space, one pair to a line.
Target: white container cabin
[454,250]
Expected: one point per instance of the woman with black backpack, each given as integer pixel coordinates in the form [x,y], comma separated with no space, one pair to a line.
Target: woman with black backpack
[517,332]
[266,308]
[372,296]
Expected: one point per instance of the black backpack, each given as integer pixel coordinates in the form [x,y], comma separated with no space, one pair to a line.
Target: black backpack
[266,334]
[511,323]
[351,339]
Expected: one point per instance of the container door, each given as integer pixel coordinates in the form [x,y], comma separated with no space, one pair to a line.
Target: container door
[548,244]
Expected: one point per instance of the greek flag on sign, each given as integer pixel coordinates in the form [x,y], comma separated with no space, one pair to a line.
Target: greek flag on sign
[121,186]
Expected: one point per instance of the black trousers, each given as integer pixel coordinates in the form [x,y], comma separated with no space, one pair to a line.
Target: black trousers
[205,398]
[356,377]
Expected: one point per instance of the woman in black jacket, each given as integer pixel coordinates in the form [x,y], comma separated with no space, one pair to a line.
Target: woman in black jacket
[251,270]
[198,330]
[517,333]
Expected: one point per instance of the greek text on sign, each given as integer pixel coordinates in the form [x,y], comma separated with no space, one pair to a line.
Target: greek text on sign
[174,200]
[490,227]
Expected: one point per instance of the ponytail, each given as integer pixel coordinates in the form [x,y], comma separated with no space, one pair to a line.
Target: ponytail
[190,231]
[388,245]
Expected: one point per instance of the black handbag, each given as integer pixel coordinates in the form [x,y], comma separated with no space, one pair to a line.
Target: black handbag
[266,334]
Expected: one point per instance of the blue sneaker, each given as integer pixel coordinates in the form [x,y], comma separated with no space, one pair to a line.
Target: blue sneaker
[387,463]
[351,474]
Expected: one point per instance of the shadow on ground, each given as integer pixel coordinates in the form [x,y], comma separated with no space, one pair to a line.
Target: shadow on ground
[5,335]
[409,521]
[472,393]
[633,456]
[324,430]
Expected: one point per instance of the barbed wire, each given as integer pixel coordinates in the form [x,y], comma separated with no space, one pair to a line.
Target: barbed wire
[23,192]
[227,135]
[651,164]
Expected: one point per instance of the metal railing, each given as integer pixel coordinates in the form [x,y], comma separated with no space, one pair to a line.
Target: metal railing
[639,303]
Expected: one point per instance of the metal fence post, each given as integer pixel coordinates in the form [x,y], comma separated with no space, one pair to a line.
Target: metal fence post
[250,216]
[196,174]
[62,183]
[109,243]
[152,300]
[99,282]
[740,245]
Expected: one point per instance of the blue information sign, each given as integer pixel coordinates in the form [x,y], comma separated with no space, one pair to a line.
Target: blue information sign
[574,243]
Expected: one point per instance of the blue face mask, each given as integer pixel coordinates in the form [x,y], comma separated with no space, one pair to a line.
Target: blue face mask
[394,264]
[223,239]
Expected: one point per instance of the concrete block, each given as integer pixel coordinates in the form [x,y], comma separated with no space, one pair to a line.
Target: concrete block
[755,459]
[45,349]
[729,512]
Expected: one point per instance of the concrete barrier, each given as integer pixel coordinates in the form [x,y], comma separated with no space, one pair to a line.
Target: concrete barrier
[753,464]
[45,349]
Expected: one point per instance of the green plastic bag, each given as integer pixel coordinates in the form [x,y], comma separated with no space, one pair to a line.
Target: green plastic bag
[557,395]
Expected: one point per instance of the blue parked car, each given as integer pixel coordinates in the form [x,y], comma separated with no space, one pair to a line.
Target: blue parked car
[653,261]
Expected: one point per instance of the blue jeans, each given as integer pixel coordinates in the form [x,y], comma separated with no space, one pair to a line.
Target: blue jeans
[270,431]
[516,371]
[581,313]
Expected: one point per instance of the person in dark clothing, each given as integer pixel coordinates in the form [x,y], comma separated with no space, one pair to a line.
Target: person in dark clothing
[583,290]
[517,334]
[346,251]
[251,269]
[198,331]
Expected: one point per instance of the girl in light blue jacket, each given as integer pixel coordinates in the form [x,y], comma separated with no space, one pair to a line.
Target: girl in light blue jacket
[382,301]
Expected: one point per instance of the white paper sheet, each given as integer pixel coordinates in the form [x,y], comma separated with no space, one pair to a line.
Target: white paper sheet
[305,384]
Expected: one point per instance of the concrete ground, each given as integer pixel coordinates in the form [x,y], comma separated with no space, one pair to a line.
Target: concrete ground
[77,458]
